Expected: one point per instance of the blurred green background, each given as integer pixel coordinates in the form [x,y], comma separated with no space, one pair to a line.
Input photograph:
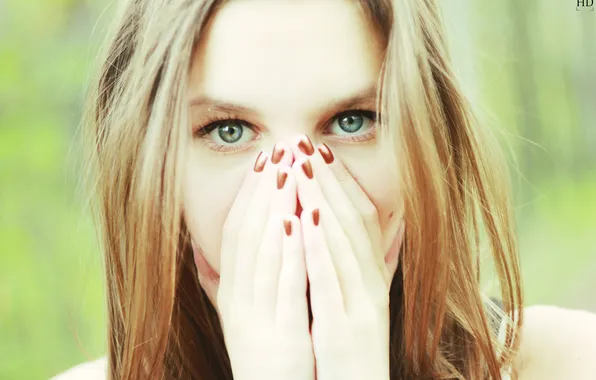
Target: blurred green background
[531,63]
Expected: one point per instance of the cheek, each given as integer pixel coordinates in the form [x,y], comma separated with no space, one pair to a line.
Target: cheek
[208,197]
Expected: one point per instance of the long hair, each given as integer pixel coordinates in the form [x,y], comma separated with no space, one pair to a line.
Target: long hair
[454,181]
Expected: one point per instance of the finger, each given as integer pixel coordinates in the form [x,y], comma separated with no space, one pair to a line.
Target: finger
[348,272]
[352,188]
[269,257]
[232,226]
[292,307]
[361,201]
[284,156]
[251,233]
[325,293]
[357,216]
[342,253]
[319,168]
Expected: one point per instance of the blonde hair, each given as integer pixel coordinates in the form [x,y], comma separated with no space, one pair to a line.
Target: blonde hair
[455,188]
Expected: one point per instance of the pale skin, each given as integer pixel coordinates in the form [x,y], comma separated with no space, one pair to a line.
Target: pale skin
[253,271]
[356,195]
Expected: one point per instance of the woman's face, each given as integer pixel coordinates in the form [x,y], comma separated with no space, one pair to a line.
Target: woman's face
[281,69]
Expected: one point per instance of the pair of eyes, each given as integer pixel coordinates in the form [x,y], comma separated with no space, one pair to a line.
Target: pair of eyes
[230,133]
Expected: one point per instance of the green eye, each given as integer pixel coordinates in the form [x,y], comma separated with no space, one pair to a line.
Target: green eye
[227,132]
[351,122]
[231,132]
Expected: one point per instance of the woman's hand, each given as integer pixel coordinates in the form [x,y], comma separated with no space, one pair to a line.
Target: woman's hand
[262,292]
[349,281]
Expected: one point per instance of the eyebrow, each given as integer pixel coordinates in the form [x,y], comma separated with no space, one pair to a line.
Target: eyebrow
[366,97]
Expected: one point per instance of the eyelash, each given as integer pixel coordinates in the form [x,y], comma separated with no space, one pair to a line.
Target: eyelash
[216,121]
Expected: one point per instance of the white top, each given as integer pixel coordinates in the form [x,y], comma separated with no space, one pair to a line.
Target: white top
[94,370]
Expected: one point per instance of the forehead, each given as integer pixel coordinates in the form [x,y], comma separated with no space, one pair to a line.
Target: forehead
[285,56]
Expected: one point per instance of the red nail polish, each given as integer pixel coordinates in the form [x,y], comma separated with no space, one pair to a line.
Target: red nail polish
[305,146]
[281,179]
[315,216]
[288,227]
[260,162]
[307,169]
[326,153]
[277,155]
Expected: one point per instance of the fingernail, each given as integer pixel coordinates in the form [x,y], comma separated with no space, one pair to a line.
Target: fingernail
[277,155]
[260,162]
[288,227]
[307,169]
[281,179]
[326,153]
[315,216]
[305,146]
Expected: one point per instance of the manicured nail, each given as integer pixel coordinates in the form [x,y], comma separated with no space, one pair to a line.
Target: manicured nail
[315,216]
[307,169]
[305,146]
[288,227]
[281,179]
[260,162]
[326,153]
[277,155]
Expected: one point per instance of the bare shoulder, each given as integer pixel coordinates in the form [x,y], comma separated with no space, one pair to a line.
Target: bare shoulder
[557,343]
[93,370]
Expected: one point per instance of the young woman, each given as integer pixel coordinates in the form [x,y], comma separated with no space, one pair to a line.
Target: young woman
[298,190]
